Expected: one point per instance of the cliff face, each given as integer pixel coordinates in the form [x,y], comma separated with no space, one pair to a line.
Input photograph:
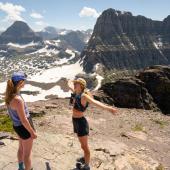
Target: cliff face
[123,41]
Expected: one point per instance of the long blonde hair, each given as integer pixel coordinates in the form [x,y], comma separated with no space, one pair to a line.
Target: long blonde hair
[10,92]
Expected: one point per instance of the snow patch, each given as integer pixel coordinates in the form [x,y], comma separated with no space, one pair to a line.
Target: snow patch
[3,51]
[2,58]
[55,74]
[99,79]
[22,45]
[132,45]
[158,47]
[46,51]
[3,87]
[71,53]
[56,90]
[63,32]
[52,42]
[66,60]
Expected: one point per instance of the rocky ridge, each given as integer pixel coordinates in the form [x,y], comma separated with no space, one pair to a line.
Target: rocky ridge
[123,41]
[149,89]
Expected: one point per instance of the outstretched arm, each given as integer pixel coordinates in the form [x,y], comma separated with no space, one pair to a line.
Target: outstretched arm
[70,85]
[99,104]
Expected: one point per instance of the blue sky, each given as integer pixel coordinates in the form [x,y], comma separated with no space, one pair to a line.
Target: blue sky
[74,14]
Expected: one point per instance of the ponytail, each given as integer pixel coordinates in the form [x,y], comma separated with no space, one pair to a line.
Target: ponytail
[10,93]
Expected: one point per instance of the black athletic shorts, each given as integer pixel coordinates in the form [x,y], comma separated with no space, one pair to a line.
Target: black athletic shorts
[81,126]
[22,132]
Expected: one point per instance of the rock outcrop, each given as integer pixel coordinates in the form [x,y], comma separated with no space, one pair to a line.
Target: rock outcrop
[150,89]
[128,93]
[19,32]
[157,81]
[123,41]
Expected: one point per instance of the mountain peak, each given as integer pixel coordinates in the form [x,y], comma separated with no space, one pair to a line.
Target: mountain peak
[50,29]
[20,26]
[112,12]
[120,38]
[19,32]
[167,19]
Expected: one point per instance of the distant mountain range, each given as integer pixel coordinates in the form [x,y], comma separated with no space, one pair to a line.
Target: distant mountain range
[123,41]
[119,41]
[23,49]
[19,32]
[77,39]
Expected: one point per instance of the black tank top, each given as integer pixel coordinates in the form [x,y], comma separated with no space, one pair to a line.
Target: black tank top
[77,102]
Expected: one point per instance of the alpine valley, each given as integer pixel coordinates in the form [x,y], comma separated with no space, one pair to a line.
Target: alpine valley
[46,56]
[119,46]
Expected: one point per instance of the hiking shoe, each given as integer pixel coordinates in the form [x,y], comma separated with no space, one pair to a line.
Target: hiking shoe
[85,167]
[82,160]
[78,165]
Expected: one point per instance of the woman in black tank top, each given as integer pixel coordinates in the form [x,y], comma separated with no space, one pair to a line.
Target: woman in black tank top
[80,100]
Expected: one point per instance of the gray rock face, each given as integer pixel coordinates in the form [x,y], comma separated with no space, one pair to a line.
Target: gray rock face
[123,41]
[149,89]
[76,39]
[128,93]
[19,32]
[48,33]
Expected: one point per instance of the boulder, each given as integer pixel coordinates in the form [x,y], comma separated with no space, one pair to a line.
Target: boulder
[128,93]
[102,97]
[157,82]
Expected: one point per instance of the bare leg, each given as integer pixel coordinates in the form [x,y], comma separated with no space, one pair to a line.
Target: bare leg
[27,149]
[20,152]
[84,145]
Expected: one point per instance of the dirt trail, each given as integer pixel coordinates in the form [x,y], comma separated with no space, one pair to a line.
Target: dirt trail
[133,140]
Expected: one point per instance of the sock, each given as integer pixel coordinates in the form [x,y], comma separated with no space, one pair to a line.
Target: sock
[21,165]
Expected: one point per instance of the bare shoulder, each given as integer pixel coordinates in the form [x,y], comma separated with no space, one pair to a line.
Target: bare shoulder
[87,97]
[87,94]
[84,95]
[17,100]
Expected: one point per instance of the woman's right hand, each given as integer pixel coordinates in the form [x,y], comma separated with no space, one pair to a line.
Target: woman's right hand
[33,135]
[70,85]
[113,110]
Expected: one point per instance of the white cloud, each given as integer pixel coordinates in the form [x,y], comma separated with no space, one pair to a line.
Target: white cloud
[89,12]
[36,15]
[13,11]
[40,23]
